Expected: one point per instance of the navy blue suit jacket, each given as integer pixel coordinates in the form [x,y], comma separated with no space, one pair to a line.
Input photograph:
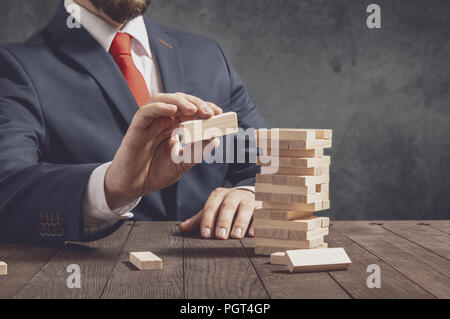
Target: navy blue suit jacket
[64,109]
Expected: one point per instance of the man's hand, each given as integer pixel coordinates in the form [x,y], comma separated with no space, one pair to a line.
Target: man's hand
[227,213]
[143,162]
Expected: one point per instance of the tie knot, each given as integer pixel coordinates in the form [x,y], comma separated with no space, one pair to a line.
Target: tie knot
[121,45]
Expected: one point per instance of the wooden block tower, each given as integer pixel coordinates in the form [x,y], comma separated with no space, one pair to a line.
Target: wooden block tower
[293,184]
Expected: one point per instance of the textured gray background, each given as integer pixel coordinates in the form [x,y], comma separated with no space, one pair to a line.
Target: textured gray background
[314,63]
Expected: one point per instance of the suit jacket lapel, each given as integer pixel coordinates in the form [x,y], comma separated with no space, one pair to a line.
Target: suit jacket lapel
[168,58]
[81,47]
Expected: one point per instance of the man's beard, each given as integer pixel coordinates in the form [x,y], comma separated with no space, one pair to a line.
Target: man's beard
[122,11]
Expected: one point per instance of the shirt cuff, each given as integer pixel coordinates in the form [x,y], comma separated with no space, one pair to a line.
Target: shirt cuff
[249,188]
[95,207]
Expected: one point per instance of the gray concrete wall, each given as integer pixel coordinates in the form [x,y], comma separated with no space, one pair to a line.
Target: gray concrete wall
[314,63]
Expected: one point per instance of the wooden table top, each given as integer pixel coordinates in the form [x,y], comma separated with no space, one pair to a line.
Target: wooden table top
[413,257]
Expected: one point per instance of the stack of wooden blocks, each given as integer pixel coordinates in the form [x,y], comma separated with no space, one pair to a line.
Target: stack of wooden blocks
[294,192]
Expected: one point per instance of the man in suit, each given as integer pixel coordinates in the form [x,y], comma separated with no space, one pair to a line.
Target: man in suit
[87,108]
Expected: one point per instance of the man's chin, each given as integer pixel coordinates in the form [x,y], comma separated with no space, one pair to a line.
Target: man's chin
[122,11]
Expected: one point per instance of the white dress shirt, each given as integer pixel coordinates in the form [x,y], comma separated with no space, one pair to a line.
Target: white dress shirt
[96,211]
[97,214]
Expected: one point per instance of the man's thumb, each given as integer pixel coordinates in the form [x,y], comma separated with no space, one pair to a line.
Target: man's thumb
[191,155]
[192,224]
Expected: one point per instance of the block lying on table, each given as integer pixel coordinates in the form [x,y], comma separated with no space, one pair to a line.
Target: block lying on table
[292,180]
[310,260]
[268,250]
[297,162]
[279,258]
[313,207]
[199,130]
[146,260]
[3,268]
[291,198]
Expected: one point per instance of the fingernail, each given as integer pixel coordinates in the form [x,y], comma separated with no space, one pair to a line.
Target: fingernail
[237,232]
[222,233]
[206,232]
[192,107]
[206,109]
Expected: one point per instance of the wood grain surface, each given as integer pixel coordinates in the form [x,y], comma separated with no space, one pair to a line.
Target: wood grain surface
[413,257]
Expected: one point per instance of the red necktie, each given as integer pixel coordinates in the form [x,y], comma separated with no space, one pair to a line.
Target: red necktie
[121,52]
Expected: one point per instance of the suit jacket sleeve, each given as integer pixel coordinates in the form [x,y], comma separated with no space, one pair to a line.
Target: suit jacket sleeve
[243,174]
[38,200]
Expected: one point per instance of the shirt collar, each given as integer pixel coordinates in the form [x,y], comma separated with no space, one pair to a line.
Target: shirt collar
[103,32]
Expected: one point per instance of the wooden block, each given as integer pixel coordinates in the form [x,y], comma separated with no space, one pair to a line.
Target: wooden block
[275,214]
[293,244]
[289,214]
[277,233]
[271,233]
[3,268]
[278,258]
[320,188]
[325,221]
[294,162]
[311,153]
[292,180]
[304,224]
[274,188]
[299,134]
[293,133]
[302,229]
[260,213]
[324,134]
[291,198]
[307,235]
[145,260]
[314,207]
[267,250]
[301,145]
[310,260]
[285,144]
[313,171]
[219,125]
